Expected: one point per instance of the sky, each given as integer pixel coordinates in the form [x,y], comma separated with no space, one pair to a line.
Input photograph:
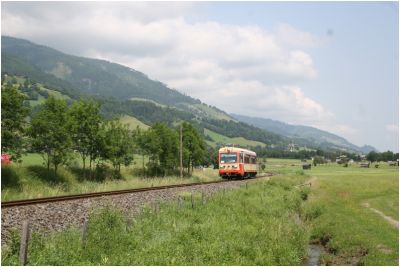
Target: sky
[330,65]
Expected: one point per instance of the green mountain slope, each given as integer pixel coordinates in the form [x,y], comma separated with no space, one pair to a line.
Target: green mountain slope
[90,76]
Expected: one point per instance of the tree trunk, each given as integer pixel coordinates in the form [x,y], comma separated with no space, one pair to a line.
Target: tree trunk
[90,167]
[143,163]
[55,169]
[48,161]
[188,166]
[84,163]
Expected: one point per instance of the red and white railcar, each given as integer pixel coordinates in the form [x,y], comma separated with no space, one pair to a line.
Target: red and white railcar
[237,162]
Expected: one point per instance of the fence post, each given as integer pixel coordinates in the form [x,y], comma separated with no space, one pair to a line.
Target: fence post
[191,199]
[129,223]
[23,251]
[84,232]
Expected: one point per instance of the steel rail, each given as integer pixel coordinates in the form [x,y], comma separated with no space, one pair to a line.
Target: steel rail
[25,202]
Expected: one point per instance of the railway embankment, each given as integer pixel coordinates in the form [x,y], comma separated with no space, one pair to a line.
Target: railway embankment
[57,216]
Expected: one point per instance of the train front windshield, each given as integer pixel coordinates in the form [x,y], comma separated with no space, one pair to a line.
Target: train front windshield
[228,158]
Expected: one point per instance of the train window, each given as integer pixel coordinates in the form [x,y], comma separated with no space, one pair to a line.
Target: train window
[246,159]
[253,160]
[241,157]
[228,158]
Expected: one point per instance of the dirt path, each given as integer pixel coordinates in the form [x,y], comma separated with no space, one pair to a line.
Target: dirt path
[380,213]
[312,181]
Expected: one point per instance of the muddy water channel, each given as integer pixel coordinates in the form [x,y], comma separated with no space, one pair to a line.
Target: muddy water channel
[313,255]
[314,251]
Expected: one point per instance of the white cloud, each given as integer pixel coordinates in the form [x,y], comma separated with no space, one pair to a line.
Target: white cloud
[392,128]
[289,36]
[345,130]
[241,69]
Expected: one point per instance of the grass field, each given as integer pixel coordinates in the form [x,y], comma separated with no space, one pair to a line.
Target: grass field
[337,216]
[147,100]
[352,233]
[218,138]
[56,94]
[133,122]
[212,112]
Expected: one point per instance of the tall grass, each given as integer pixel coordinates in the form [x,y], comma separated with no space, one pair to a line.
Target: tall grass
[253,226]
[36,181]
[31,179]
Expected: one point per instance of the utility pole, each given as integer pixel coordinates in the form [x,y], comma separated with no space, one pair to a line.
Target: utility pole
[181,151]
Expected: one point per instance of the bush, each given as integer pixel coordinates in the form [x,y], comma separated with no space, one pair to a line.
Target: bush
[313,211]
[304,192]
[101,172]
[262,166]
[10,178]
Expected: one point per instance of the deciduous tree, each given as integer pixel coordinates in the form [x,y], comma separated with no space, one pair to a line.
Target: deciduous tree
[193,147]
[49,132]
[84,122]
[118,144]
[13,114]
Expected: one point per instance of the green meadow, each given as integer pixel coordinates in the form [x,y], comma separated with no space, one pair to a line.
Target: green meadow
[352,233]
[133,123]
[222,139]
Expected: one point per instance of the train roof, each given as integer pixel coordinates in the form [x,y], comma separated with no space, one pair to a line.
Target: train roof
[236,149]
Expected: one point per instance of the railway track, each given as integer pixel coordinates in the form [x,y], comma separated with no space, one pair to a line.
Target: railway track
[25,202]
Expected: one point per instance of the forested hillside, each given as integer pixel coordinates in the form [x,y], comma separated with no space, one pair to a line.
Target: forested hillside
[90,76]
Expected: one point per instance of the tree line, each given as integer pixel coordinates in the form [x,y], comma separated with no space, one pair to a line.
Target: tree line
[374,156]
[322,155]
[57,131]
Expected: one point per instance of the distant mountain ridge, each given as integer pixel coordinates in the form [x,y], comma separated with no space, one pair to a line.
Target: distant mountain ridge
[314,136]
[123,90]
